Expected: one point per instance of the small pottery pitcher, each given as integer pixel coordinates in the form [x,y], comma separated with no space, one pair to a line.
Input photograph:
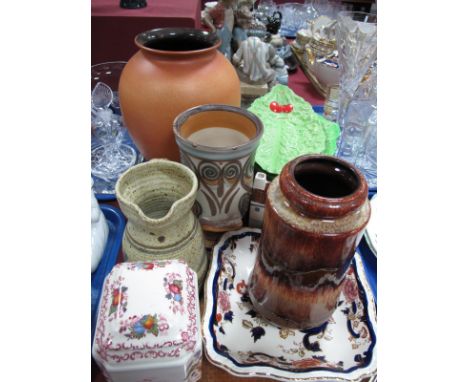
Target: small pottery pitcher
[157,198]
[218,142]
[316,213]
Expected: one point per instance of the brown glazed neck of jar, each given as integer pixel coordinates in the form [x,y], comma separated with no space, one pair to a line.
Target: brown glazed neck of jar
[322,186]
[178,44]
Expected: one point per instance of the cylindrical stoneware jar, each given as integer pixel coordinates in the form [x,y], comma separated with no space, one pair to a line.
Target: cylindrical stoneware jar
[316,213]
[157,198]
[218,142]
[175,69]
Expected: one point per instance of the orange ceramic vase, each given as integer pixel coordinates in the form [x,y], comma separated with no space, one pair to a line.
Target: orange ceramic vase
[174,70]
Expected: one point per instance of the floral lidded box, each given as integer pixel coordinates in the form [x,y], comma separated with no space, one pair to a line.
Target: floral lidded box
[148,325]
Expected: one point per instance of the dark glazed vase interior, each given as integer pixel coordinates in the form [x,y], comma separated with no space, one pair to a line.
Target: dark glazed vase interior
[177,39]
[323,186]
[326,177]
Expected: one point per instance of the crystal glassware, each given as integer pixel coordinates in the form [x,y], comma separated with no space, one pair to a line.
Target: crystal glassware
[265,9]
[357,113]
[110,157]
[295,16]
[357,51]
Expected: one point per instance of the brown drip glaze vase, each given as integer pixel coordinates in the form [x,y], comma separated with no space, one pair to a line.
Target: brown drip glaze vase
[174,70]
[316,212]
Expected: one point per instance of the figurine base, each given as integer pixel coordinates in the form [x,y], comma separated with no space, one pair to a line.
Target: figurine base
[250,90]
[250,93]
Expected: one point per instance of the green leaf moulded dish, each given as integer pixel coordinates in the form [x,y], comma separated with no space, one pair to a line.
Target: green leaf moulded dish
[288,135]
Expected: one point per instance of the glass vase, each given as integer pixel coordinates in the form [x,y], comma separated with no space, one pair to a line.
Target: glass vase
[357,112]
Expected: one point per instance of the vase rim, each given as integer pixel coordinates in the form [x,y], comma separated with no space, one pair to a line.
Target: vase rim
[314,204]
[159,33]
[184,116]
[352,13]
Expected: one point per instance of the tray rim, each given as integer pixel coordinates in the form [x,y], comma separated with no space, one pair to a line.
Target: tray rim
[271,372]
[111,255]
[367,236]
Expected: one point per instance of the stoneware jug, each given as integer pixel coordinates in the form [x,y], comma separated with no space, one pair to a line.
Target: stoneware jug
[316,213]
[218,142]
[175,69]
[157,198]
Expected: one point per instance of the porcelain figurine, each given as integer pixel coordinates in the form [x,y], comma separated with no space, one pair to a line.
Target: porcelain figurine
[218,142]
[220,19]
[148,324]
[157,198]
[245,22]
[99,232]
[258,63]
[316,213]
[274,22]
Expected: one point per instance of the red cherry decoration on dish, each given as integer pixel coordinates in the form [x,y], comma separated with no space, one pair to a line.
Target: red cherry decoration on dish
[275,107]
[287,108]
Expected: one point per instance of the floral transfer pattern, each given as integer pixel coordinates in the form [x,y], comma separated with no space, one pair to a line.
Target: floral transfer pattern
[119,299]
[173,288]
[114,345]
[139,327]
[343,344]
[227,285]
[145,265]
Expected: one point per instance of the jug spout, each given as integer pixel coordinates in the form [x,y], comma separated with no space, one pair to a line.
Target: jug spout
[157,198]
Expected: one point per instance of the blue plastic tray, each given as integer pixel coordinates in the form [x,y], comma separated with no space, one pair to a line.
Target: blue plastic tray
[318,109]
[116,222]
[370,265]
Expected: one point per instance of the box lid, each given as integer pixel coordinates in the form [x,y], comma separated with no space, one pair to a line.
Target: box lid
[148,313]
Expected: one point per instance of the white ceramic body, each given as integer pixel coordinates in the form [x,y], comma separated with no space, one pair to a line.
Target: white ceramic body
[327,75]
[172,354]
[99,232]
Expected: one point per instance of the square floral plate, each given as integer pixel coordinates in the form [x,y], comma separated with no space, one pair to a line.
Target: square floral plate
[242,343]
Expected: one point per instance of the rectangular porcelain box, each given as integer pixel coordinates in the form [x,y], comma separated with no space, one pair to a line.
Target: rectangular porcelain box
[148,325]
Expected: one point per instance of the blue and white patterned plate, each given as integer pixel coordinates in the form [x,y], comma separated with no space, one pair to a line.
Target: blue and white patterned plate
[239,341]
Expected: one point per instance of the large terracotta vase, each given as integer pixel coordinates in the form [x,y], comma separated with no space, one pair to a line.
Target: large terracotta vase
[316,213]
[174,70]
